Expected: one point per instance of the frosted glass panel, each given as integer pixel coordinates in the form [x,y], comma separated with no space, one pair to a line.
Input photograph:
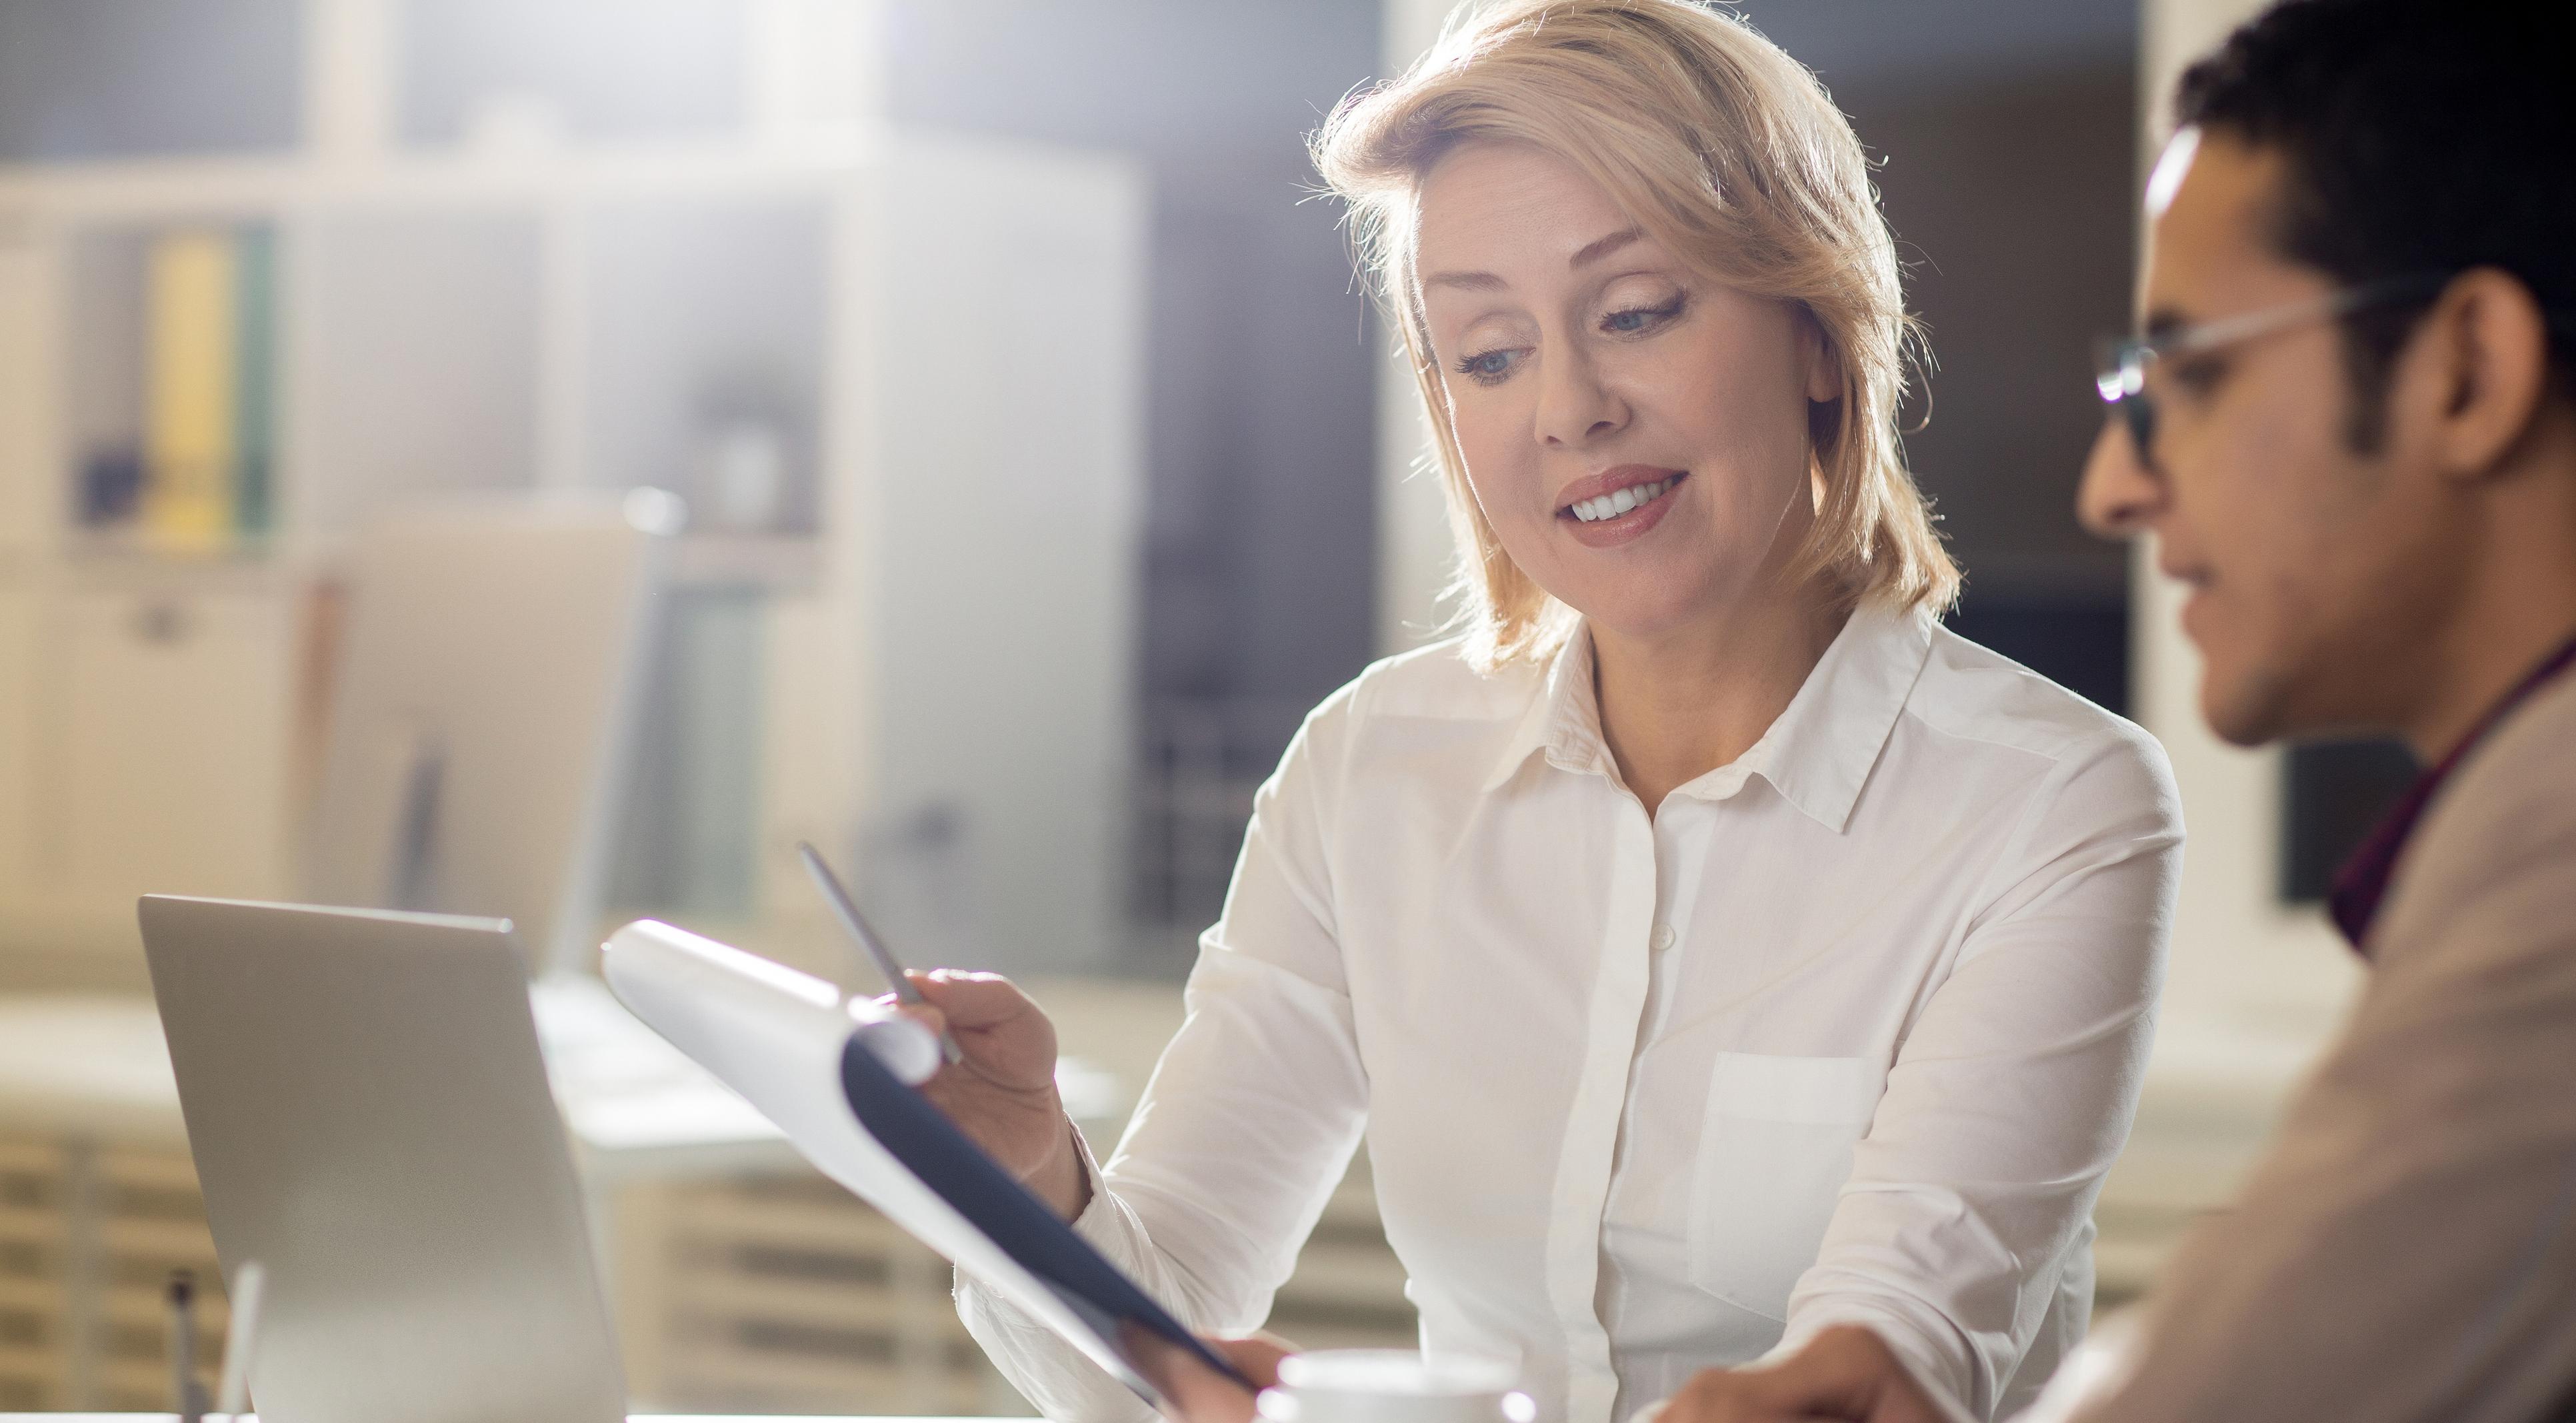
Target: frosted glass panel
[420,336]
[598,68]
[686,842]
[706,349]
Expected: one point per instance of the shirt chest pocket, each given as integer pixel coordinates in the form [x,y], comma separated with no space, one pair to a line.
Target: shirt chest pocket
[1774,1151]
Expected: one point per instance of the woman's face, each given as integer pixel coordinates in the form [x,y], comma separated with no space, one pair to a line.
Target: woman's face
[1636,434]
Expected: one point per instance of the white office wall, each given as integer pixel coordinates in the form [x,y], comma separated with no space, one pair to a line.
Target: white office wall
[2240,956]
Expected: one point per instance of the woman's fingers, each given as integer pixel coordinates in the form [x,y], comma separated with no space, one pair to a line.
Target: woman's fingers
[973,1000]
[926,1014]
[1003,1035]
[1255,1356]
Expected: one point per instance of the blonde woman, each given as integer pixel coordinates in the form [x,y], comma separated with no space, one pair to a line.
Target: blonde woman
[1716,955]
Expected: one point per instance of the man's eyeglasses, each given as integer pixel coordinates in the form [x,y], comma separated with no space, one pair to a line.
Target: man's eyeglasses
[2121,376]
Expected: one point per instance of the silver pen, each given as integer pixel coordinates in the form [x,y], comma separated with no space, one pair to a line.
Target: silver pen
[241,1337]
[847,910]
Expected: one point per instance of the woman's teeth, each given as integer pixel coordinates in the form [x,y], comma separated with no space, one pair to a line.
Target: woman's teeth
[1618,502]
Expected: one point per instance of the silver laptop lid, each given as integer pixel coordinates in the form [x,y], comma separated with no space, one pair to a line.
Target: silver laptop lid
[371,1122]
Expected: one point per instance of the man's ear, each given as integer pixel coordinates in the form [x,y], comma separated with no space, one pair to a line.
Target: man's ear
[2485,346]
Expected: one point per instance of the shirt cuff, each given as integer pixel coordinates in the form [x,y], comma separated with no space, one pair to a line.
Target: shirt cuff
[1923,1364]
[1099,1224]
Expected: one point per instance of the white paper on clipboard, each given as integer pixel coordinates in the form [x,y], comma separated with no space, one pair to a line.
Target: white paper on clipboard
[780,1038]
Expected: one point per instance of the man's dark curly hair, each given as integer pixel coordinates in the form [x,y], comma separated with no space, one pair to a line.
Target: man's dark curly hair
[2421,138]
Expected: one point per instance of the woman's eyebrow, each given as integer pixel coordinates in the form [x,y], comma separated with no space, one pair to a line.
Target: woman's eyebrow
[1470,281]
[1601,247]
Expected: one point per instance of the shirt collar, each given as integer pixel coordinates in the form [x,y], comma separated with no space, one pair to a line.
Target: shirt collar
[1817,755]
[1563,721]
[2364,879]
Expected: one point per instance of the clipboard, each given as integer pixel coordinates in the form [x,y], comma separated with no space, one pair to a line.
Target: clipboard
[841,1078]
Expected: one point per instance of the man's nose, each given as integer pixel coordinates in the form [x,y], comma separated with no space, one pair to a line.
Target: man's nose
[2120,496]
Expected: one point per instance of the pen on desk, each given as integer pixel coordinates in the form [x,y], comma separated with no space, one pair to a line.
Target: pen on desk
[847,911]
[187,1397]
[241,1336]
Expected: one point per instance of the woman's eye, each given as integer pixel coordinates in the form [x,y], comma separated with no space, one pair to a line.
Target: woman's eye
[1628,321]
[1487,366]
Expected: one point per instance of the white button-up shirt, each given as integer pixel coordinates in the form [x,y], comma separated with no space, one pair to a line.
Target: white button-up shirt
[1847,1031]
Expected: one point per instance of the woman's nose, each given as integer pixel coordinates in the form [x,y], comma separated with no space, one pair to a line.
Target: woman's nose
[2120,496]
[1575,407]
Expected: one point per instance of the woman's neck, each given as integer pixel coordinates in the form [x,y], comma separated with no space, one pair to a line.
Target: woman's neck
[1678,705]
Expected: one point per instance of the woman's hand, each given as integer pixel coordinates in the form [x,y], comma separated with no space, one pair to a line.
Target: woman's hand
[1193,1392]
[1846,1373]
[1002,1093]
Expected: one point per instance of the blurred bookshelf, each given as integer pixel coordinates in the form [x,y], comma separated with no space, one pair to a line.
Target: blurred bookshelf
[474,249]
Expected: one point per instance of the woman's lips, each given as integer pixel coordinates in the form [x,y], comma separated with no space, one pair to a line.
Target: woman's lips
[1622,526]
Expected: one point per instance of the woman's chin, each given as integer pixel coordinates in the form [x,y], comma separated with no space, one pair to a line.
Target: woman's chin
[1643,614]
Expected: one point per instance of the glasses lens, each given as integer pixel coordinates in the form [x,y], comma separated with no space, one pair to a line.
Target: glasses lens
[2119,364]
[2120,378]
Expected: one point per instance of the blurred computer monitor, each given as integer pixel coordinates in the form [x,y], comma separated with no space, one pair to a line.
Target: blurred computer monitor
[489,669]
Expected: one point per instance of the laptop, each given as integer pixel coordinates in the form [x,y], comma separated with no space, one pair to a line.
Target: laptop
[371,1122]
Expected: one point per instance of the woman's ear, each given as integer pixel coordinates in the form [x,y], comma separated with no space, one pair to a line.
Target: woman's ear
[1824,369]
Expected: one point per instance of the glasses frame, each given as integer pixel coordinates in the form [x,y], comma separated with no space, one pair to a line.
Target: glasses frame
[2120,374]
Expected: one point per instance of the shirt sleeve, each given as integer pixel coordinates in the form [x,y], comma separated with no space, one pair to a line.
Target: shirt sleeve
[2013,1092]
[2406,1250]
[1250,1119]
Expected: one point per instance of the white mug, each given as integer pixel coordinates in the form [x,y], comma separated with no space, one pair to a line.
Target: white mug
[1395,1386]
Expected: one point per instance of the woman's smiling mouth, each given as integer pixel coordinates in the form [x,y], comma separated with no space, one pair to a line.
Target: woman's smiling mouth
[1611,506]
[1620,504]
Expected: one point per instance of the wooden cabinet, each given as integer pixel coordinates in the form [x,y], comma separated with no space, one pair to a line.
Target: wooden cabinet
[173,740]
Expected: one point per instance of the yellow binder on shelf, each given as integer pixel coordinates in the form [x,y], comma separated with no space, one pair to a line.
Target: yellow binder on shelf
[190,343]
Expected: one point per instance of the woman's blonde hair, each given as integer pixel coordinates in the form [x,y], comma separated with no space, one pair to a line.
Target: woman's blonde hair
[1728,153]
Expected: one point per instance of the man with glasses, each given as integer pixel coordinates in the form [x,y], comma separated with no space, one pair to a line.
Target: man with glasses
[2350,429]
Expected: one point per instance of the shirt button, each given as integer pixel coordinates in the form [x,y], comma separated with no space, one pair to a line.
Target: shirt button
[1663,937]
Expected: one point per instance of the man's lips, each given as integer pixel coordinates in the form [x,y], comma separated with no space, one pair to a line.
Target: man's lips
[1611,481]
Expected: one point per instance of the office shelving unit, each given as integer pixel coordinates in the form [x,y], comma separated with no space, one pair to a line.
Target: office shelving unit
[88,1240]
[914,651]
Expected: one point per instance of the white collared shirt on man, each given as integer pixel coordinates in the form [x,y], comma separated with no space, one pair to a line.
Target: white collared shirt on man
[1848,1031]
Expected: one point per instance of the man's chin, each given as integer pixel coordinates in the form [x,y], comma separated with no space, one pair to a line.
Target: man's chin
[2239,712]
